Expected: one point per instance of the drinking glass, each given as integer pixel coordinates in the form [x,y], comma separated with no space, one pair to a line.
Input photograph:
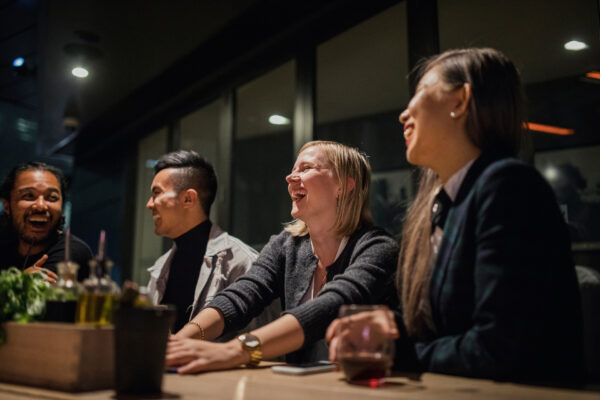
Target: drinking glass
[364,347]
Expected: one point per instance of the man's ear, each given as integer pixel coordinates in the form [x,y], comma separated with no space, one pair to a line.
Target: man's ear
[6,206]
[189,198]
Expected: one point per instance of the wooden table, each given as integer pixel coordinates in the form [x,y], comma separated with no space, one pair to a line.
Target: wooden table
[262,384]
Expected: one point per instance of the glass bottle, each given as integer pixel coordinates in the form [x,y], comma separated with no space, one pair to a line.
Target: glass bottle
[100,293]
[63,295]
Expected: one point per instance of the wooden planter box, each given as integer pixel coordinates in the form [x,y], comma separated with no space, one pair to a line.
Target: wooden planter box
[59,356]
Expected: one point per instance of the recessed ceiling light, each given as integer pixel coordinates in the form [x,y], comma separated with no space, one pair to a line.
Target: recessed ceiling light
[80,72]
[18,62]
[279,120]
[575,45]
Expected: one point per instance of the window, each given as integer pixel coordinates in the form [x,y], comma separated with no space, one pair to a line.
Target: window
[263,148]
[200,132]
[148,246]
[361,88]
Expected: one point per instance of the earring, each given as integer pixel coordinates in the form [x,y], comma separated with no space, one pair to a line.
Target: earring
[452,114]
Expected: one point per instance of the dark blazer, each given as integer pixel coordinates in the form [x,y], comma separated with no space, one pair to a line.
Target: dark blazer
[503,290]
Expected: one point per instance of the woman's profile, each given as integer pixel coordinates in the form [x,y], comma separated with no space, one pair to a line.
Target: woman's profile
[488,287]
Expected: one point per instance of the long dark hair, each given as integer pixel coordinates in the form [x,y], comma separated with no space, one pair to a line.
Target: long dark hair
[494,123]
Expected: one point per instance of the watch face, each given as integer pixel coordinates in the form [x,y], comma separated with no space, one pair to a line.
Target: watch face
[251,341]
[251,344]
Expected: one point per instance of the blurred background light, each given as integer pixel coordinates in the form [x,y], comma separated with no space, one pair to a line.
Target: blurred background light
[18,62]
[575,45]
[276,119]
[80,72]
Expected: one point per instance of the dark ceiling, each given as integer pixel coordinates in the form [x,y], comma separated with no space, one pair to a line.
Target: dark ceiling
[124,44]
[140,41]
[19,34]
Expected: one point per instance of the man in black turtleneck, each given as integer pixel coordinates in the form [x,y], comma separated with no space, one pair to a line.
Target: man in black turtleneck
[203,259]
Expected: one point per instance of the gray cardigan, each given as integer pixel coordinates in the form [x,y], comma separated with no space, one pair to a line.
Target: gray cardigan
[362,274]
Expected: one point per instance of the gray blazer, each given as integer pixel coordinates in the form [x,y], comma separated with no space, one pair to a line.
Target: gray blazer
[226,259]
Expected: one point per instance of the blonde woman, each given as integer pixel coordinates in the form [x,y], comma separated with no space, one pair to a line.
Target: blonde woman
[328,256]
[487,284]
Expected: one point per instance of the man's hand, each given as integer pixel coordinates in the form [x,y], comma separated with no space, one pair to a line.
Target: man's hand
[49,276]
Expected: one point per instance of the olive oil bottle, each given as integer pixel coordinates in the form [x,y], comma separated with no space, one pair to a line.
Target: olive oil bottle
[100,293]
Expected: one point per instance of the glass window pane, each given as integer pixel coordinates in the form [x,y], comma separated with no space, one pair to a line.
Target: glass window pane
[148,246]
[361,88]
[534,34]
[200,132]
[19,136]
[263,155]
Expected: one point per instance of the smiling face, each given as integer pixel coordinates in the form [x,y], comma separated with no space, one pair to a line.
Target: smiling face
[427,121]
[166,205]
[35,206]
[313,187]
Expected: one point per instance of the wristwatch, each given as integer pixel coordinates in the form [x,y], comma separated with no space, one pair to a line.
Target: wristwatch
[251,345]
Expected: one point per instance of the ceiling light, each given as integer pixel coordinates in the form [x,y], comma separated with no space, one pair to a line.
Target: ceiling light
[80,72]
[555,130]
[279,120]
[18,62]
[575,45]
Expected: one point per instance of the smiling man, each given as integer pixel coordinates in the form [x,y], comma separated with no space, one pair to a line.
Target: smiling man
[32,195]
[203,259]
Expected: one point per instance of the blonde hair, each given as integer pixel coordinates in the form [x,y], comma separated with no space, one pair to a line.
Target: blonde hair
[494,123]
[353,205]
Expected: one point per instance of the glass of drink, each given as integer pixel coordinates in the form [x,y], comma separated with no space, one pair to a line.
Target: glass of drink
[364,348]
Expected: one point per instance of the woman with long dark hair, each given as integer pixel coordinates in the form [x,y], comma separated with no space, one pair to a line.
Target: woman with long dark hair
[485,276]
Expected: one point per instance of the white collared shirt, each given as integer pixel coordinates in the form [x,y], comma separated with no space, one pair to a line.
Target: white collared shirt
[309,295]
[451,187]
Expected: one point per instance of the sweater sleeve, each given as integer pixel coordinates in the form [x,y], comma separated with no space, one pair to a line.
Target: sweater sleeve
[368,279]
[253,291]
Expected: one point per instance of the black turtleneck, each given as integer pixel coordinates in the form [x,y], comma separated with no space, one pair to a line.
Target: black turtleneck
[187,257]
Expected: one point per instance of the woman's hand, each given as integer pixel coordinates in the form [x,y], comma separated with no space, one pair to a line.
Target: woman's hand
[379,324]
[191,356]
[188,331]
[49,276]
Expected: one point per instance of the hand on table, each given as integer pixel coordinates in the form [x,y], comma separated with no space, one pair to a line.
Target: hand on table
[370,327]
[191,355]
[49,276]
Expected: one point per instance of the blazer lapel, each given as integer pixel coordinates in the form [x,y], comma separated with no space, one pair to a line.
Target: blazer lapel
[451,236]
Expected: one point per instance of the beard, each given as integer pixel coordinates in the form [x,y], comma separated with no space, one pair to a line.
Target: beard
[19,227]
